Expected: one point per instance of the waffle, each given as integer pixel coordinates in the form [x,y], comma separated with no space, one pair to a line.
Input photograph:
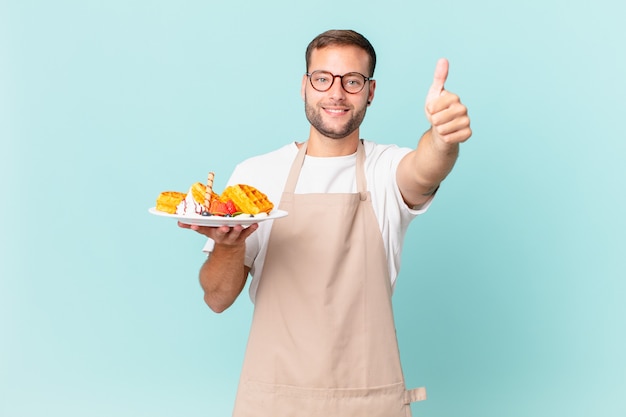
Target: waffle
[247,199]
[198,190]
[168,200]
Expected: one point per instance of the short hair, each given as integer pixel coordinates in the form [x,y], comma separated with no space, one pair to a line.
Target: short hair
[342,38]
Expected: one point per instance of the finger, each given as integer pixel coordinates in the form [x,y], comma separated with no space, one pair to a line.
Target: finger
[455,135]
[222,231]
[445,127]
[184,225]
[445,109]
[235,235]
[249,230]
[239,231]
[441,74]
[439,79]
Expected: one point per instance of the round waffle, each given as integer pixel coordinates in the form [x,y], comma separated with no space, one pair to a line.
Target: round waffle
[168,200]
[247,199]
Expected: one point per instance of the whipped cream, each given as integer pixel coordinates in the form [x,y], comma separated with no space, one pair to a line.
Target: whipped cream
[189,205]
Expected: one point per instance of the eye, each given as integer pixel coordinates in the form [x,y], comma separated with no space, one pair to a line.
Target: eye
[321,78]
[353,81]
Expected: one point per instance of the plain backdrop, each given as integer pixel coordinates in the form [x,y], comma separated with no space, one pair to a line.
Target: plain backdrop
[510,300]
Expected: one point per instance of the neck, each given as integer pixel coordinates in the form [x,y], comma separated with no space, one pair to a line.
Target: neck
[323,146]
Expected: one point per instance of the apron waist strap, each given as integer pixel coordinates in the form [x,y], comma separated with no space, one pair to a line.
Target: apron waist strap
[414,395]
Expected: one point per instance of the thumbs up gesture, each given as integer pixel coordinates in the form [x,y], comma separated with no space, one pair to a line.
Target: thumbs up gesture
[448,117]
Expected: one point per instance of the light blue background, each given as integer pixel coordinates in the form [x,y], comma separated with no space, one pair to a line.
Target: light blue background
[511,297]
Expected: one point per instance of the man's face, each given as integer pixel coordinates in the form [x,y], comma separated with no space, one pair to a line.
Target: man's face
[336,113]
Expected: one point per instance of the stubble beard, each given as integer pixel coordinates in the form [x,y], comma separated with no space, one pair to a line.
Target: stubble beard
[314,117]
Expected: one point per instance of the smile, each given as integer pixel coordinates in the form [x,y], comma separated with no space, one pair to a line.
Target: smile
[335,111]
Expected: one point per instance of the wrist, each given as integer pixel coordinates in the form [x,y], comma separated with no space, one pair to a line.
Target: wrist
[229,248]
[440,145]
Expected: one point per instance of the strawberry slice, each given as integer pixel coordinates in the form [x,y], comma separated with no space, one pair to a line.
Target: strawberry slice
[218,208]
[231,208]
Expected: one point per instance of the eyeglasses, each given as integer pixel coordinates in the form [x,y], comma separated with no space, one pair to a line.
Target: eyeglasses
[352,82]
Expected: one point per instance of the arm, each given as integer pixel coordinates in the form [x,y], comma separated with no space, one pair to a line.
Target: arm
[223,275]
[421,171]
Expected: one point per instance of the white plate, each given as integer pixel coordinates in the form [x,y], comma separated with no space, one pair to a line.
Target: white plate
[216,221]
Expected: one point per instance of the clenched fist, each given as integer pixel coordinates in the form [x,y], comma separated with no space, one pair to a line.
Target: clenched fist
[445,112]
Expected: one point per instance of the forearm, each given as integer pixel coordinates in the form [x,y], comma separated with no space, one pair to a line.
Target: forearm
[223,276]
[433,161]
[422,170]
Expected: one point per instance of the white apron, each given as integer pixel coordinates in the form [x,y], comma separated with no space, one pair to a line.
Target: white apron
[322,341]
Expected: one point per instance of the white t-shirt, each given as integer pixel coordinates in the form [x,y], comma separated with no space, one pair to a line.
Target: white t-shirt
[269,173]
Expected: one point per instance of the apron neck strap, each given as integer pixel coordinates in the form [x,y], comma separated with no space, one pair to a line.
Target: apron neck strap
[361,183]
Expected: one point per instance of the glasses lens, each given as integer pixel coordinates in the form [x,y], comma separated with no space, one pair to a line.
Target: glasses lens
[321,80]
[353,82]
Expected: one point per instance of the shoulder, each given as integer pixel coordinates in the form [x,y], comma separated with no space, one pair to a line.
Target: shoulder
[387,155]
[265,165]
[267,172]
[284,154]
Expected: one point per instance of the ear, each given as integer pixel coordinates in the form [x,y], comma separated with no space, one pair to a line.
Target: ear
[370,96]
[305,78]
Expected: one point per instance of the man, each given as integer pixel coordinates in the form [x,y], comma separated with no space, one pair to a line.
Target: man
[322,341]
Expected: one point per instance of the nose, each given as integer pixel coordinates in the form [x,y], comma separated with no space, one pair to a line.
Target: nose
[336,90]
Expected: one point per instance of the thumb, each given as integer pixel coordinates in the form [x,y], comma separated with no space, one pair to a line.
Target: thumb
[439,79]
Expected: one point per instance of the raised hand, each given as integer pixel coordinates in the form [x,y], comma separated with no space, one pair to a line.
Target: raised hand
[445,112]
